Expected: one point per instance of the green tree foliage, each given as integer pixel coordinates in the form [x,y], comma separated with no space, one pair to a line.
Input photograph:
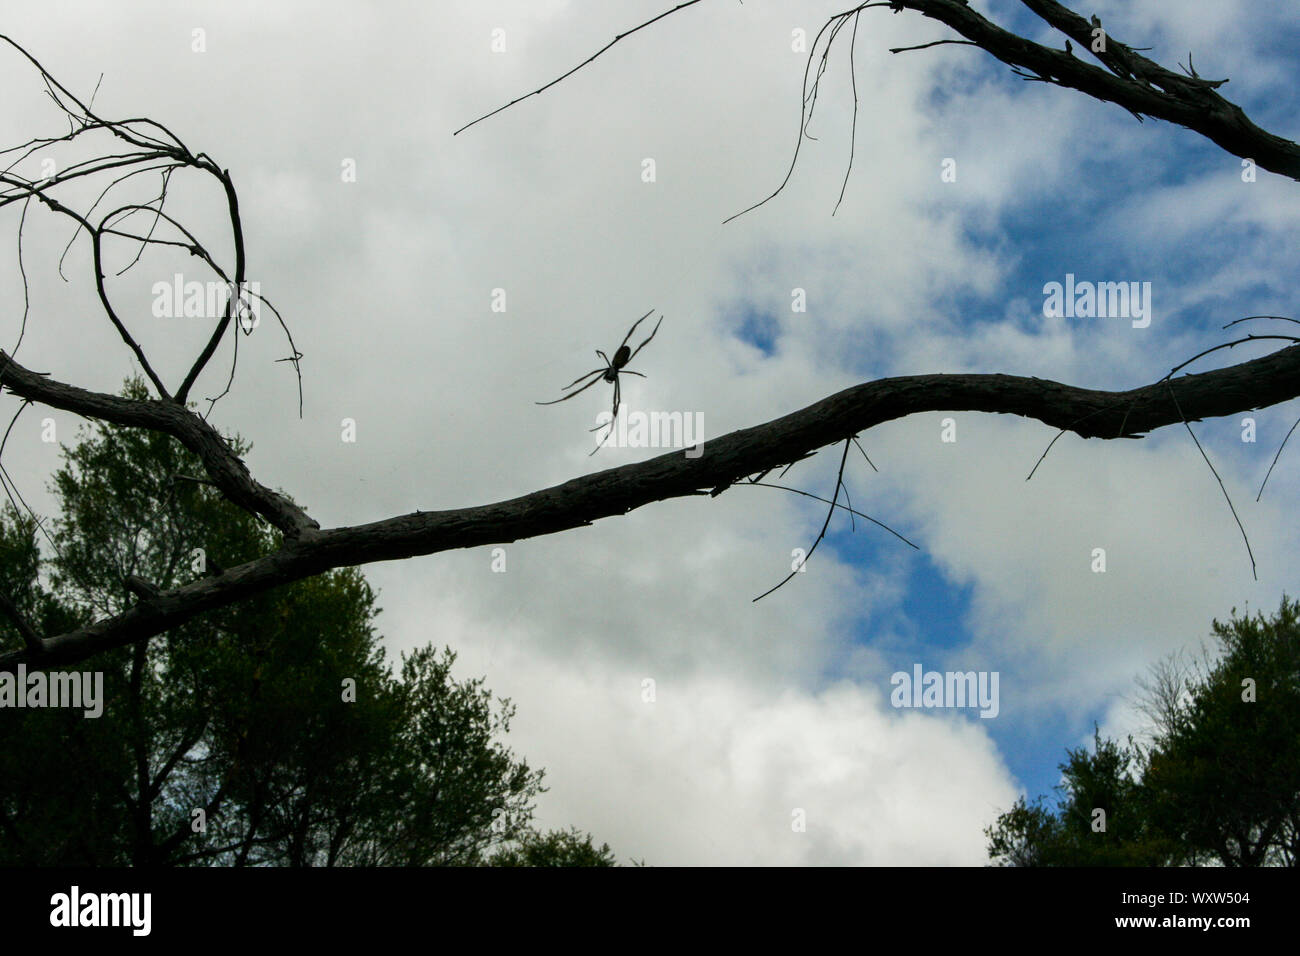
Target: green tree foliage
[273,732]
[1224,774]
[555,848]
[1218,784]
[1100,817]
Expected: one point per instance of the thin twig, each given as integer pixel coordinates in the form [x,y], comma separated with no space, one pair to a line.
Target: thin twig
[926,46]
[1222,488]
[839,480]
[542,89]
[864,455]
[1275,458]
[803,118]
[853,130]
[1279,318]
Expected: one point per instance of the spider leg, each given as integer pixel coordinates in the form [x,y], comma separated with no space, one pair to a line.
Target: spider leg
[628,371]
[614,416]
[633,329]
[601,443]
[647,341]
[595,377]
[599,371]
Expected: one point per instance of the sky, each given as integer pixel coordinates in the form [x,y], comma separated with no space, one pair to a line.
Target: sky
[678,720]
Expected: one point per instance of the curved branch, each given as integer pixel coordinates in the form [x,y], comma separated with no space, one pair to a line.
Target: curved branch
[151,148]
[1132,81]
[225,468]
[97,253]
[237,233]
[1257,383]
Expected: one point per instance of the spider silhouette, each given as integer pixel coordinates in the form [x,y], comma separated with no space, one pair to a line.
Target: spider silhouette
[622,355]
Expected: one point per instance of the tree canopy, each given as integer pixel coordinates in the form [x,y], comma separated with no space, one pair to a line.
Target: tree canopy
[1218,783]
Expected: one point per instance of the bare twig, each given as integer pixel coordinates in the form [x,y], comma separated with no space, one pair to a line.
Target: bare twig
[805,108]
[853,132]
[806,494]
[864,454]
[563,76]
[839,481]
[1222,487]
[1248,318]
[1275,458]
[926,46]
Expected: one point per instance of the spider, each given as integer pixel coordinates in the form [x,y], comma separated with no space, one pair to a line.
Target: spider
[610,373]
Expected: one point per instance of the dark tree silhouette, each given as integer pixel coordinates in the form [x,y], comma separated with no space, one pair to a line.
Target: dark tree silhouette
[1218,785]
[272,732]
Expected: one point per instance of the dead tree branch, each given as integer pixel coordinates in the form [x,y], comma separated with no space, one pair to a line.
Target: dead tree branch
[1126,78]
[225,469]
[581,501]
[154,150]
